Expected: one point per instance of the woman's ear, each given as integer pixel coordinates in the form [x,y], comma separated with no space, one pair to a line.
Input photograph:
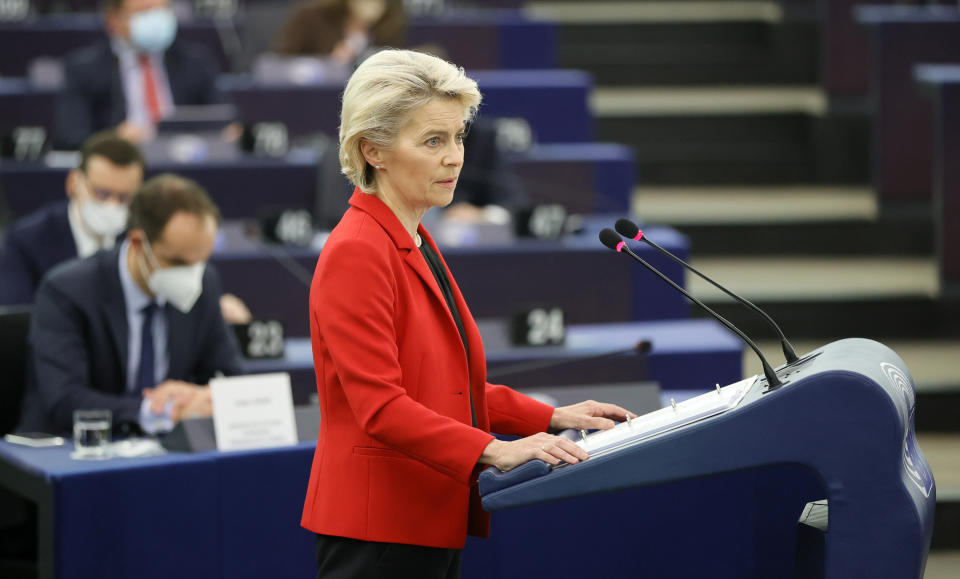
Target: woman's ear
[372,153]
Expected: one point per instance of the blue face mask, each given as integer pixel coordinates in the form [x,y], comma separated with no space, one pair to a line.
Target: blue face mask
[153,30]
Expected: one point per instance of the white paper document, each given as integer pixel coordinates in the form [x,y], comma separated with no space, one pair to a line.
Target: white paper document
[254,411]
[667,418]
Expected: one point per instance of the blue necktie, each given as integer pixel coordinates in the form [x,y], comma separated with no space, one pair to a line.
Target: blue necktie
[146,373]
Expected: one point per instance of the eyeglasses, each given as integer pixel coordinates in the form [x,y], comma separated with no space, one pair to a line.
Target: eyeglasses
[101,194]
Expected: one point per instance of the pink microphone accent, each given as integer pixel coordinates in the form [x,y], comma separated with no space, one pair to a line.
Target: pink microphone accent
[639,235]
[620,246]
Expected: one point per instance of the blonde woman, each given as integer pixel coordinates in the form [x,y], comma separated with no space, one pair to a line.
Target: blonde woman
[407,411]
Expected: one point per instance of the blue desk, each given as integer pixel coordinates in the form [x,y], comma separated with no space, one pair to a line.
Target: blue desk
[942,83]
[553,101]
[56,35]
[904,36]
[202,515]
[491,39]
[88,511]
[241,189]
[23,106]
[590,282]
[685,356]
[237,515]
[585,178]
[473,39]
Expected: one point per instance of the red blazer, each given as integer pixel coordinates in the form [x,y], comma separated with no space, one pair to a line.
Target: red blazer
[396,458]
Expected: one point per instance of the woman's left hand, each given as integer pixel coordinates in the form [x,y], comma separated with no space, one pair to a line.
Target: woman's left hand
[588,415]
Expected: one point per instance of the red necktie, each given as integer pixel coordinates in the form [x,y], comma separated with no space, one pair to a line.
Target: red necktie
[150,88]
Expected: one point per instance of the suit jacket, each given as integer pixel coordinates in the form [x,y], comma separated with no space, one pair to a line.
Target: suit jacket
[33,245]
[92,98]
[78,342]
[396,458]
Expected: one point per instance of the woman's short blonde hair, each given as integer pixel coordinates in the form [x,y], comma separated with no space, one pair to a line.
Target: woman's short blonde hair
[381,96]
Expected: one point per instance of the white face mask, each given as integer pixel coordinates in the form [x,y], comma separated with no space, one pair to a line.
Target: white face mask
[104,218]
[153,30]
[180,285]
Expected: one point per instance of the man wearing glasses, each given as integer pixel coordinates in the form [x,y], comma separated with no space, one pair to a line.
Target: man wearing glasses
[94,216]
[137,329]
[99,192]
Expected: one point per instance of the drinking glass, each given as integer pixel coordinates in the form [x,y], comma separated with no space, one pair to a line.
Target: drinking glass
[91,434]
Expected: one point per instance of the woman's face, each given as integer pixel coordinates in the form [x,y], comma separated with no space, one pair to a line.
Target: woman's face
[420,171]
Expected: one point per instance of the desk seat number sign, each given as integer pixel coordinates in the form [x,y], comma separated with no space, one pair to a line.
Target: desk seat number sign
[254,411]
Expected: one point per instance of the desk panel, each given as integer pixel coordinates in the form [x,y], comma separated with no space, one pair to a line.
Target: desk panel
[56,35]
[585,178]
[543,97]
[590,282]
[173,503]
[118,518]
[261,499]
[488,39]
[241,189]
[684,356]
[23,106]
[473,39]
[240,519]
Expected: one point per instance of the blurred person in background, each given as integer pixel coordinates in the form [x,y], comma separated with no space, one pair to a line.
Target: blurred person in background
[99,191]
[135,78]
[401,372]
[137,329]
[342,30]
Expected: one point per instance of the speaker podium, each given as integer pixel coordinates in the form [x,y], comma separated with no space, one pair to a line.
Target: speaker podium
[844,412]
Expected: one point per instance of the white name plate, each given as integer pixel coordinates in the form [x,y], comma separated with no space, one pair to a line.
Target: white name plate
[254,411]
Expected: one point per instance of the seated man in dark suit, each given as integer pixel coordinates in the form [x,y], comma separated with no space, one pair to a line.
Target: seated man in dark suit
[138,329]
[99,192]
[133,80]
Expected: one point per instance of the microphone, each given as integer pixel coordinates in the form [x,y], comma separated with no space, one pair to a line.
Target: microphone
[629,229]
[611,239]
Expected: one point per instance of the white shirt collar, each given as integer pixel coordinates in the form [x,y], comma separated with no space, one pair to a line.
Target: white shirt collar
[123,50]
[87,242]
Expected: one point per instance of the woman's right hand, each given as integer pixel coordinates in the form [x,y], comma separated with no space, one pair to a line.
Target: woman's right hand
[547,447]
